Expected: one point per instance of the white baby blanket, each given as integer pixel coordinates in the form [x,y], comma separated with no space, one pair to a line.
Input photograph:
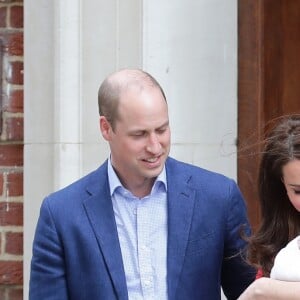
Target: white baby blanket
[287,262]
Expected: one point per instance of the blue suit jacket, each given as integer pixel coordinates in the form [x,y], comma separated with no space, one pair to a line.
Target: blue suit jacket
[76,251]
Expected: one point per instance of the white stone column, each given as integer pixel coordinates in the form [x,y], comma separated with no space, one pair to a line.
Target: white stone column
[67,92]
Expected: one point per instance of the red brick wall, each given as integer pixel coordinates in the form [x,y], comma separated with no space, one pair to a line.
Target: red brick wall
[11,150]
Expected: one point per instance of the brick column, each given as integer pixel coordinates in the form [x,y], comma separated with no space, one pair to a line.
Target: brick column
[11,150]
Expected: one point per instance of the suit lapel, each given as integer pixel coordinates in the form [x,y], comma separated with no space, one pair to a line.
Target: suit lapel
[100,213]
[180,212]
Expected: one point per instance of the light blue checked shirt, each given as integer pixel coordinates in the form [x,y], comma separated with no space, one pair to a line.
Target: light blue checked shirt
[142,230]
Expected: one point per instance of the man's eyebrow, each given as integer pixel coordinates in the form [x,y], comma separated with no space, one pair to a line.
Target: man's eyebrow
[144,130]
[164,124]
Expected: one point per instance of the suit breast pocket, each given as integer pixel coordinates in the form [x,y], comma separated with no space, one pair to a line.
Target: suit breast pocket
[202,245]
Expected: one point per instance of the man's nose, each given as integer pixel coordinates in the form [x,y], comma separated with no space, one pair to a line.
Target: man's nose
[153,145]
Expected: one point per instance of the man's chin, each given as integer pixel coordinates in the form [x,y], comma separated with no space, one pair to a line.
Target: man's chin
[153,173]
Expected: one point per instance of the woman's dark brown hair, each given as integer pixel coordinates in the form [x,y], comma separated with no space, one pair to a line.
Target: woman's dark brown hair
[280,221]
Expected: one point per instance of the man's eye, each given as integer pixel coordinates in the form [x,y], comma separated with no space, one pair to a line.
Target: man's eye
[161,130]
[297,192]
[138,134]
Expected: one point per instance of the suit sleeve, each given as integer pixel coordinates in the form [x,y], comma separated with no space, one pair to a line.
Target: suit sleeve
[236,273]
[47,274]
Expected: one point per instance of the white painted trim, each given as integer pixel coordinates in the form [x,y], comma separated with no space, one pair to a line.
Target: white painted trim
[67,85]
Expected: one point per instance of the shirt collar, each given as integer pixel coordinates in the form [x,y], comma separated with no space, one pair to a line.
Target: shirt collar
[114,181]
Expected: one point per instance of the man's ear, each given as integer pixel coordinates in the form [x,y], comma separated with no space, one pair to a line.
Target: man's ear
[105,128]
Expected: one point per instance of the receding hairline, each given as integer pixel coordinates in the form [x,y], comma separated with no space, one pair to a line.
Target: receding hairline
[137,78]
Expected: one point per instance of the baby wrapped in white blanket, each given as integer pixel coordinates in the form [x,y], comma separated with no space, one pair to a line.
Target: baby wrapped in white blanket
[287,262]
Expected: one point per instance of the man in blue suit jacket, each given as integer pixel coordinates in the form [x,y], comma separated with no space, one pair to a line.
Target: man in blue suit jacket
[143,225]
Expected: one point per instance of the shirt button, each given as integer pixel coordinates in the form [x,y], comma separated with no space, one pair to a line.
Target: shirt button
[147,282]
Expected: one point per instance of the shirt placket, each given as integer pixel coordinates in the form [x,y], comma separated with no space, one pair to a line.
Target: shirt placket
[144,252]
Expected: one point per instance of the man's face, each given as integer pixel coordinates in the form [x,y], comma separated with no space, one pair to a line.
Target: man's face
[140,142]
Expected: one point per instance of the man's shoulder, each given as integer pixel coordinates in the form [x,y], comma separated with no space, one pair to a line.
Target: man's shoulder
[180,167]
[181,173]
[208,184]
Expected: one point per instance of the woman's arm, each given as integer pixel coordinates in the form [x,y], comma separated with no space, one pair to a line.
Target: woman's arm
[266,288]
